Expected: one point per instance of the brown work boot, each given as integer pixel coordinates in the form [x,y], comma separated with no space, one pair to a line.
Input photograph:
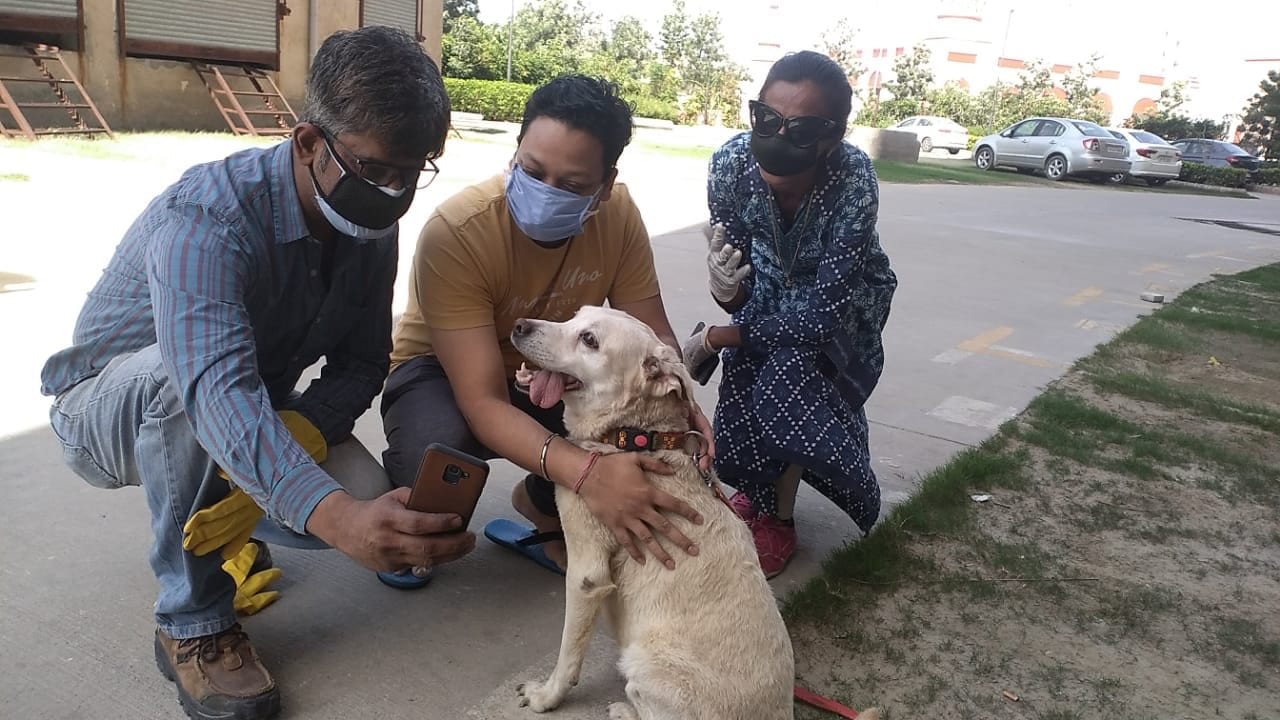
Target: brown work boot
[219,677]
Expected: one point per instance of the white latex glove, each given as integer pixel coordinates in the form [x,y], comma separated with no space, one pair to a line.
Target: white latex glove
[699,357]
[724,263]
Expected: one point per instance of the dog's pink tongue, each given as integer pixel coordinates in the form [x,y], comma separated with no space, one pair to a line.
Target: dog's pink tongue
[546,389]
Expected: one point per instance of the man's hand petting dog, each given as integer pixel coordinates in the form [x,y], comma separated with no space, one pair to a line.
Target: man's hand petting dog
[382,534]
[618,493]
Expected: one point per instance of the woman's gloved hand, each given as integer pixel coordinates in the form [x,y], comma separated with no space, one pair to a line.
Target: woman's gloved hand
[699,358]
[724,265]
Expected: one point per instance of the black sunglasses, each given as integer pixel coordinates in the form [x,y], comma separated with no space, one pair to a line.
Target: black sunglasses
[802,132]
[379,173]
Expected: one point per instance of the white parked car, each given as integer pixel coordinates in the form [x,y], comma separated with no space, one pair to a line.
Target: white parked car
[936,132]
[1154,159]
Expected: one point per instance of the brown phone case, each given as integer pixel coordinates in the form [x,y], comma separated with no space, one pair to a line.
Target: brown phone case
[449,481]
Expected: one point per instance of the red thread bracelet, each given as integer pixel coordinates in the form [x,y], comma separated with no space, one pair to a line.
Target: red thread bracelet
[591,462]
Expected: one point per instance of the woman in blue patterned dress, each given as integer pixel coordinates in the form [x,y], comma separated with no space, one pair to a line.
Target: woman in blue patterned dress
[795,258]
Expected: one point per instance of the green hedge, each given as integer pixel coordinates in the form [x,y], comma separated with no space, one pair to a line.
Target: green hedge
[504,101]
[1207,175]
[494,99]
[648,107]
[1270,176]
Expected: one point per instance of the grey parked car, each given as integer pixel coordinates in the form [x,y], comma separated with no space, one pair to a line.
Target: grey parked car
[1061,147]
[1219,153]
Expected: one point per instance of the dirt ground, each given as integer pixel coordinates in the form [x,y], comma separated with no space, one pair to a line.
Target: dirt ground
[1126,563]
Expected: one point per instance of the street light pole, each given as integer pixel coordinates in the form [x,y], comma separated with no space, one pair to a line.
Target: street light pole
[1004,47]
[511,23]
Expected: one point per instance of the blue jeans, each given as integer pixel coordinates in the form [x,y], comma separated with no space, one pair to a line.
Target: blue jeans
[127,426]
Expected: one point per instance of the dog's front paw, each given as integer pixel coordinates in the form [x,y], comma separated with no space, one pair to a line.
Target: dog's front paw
[540,696]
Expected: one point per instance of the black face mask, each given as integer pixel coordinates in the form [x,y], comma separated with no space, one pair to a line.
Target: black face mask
[368,208]
[777,156]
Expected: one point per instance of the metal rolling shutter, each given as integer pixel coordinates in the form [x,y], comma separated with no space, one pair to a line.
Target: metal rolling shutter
[39,15]
[240,31]
[402,14]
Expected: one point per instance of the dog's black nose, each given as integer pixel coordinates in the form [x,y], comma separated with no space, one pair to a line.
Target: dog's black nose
[522,327]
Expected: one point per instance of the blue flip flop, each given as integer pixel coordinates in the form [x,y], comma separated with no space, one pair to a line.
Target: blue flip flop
[524,540]
[405,579]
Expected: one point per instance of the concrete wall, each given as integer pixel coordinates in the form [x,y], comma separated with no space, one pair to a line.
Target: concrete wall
[142,94]
[892,145]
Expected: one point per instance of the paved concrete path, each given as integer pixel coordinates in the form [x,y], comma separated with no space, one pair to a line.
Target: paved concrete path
[1001,289]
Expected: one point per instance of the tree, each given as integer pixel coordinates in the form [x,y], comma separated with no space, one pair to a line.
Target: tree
[473,50]
[551,38]
[1171,122]
[1172,98]
[698,65]
[624,56]
[1178,126]
[912,75]
[1082,98]
[455,10]
[840,44]
[1262,119]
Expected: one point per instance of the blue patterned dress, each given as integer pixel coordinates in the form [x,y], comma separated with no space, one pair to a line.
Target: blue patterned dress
[818,299]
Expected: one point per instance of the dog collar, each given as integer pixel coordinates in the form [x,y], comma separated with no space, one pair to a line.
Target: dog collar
[635,440]
[631,439]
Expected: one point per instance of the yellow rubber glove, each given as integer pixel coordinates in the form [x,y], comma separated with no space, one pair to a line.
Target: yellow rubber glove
[229,523]
[250,595]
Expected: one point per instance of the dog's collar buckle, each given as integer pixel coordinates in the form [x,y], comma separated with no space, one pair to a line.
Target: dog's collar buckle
[633,439]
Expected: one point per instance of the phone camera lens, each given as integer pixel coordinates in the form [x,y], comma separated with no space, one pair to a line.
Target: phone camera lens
[453,474]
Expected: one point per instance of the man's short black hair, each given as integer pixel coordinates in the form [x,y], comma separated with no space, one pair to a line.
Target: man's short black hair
[820,70]
[378,81]
[592,105]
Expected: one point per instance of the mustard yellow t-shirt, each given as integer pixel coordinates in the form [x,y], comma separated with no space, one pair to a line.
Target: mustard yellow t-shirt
[474,268]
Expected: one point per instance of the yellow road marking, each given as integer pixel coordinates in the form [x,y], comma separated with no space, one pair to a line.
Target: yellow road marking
[1083,297]
[981,342]
[985,344]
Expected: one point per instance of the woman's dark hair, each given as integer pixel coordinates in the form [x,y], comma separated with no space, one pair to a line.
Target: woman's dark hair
[821,71]
[592,105]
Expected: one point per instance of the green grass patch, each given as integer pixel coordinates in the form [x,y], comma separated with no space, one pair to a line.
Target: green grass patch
[1247,637]
[694,152]
[1160,333]
[940,507]
[957,172]
[1150,387]
[15,177]
[1069,427]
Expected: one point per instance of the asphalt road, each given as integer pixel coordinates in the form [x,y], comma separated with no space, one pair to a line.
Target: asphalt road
[1001,288]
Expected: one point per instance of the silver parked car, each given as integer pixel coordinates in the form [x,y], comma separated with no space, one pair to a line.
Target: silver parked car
[1153,158]
[1061,147]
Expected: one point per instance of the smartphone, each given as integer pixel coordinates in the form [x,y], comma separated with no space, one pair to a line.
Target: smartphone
[449,481]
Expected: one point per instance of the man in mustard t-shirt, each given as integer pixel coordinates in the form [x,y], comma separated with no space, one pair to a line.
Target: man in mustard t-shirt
[550,235]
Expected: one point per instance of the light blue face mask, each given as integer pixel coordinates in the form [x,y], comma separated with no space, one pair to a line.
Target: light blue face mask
[546,214]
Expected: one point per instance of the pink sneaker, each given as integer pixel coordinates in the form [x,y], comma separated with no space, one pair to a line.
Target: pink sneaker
[775,544]
[741,505]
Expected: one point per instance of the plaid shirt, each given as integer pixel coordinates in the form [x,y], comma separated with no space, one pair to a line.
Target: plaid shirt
[221,271]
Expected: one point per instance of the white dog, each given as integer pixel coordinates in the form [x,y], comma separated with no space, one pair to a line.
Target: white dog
[704,641]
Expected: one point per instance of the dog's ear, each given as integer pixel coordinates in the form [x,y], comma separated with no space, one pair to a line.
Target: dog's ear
[665,374]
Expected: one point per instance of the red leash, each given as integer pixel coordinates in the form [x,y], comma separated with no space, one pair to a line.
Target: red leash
[811,698]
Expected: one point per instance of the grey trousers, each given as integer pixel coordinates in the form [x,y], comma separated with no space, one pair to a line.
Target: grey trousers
[418,409]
